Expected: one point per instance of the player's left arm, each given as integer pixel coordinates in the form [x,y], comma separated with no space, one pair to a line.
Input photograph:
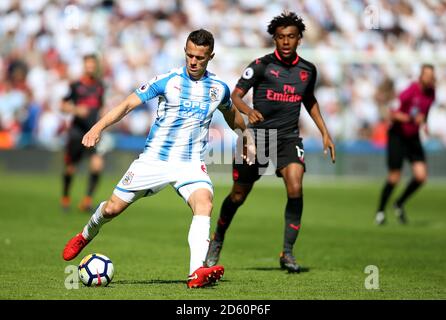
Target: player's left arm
[313,109]
[234,118]
[231,114]
[312,106]
[421,120]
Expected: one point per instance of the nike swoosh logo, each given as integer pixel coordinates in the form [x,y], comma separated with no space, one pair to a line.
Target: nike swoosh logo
[194,277]
[294,226]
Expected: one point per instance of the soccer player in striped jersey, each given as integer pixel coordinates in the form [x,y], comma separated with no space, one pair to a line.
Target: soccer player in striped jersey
[174,151]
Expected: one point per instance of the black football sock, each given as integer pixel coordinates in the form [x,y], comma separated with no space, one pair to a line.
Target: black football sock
[67,178]
[293,215]
[385,195]
[412,186]
[92,183]
[227,212]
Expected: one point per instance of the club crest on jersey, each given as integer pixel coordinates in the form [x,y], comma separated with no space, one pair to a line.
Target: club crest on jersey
[128,178]
[303,75]
[214,92]
[143,88]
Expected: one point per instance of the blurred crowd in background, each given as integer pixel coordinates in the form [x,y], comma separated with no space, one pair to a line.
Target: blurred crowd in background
[365,52]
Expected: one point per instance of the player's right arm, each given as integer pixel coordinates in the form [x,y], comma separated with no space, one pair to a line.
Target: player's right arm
[254,116]
[251,75]
[147,91]
[92,137]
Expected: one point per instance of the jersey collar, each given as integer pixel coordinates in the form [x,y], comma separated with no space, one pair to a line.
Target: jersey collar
[87,80]
[293,63]
[186,75]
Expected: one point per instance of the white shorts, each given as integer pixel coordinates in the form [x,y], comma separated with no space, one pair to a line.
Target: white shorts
[146,177]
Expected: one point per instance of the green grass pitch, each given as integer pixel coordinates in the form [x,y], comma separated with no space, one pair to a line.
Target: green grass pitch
[148,244]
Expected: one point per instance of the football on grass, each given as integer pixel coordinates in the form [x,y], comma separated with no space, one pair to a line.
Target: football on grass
[96,270]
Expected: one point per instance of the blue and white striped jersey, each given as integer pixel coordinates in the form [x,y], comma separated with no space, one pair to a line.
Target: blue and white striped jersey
[185,108]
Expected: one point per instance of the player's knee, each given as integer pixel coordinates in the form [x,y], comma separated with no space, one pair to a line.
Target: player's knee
[421,178]
[96,164]
[294,190]
[238,197]
[111,209]
[70,169]
[203,207]
[394,178]
[208,206]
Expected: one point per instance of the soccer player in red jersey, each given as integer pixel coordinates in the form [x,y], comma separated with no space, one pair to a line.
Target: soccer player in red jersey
[404,142]
[282,83]
[84,101]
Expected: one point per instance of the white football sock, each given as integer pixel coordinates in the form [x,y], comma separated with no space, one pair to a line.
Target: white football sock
[198,241]
[96,221]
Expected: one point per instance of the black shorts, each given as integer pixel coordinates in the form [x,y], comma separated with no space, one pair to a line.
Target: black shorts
[400,147]
[289,150]
[74,150]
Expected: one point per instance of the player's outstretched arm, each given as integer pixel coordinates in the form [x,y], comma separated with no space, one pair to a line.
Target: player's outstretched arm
[92,137]
[312,106]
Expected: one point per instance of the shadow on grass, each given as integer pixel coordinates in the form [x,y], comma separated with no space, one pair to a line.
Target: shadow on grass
[302,269]
[153,281]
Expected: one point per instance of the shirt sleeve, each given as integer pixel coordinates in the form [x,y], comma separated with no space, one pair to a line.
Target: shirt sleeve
[310,88]
[308,98]
[251,75]
[101,95]
[226,102]
[155,87]
[71,95]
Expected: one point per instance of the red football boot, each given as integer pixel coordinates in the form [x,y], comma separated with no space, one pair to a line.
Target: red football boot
[205,276]
[74,247]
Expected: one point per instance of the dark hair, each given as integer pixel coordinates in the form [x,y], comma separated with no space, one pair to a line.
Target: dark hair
[427,65]
[286,19]
[202,37]
[90,56]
